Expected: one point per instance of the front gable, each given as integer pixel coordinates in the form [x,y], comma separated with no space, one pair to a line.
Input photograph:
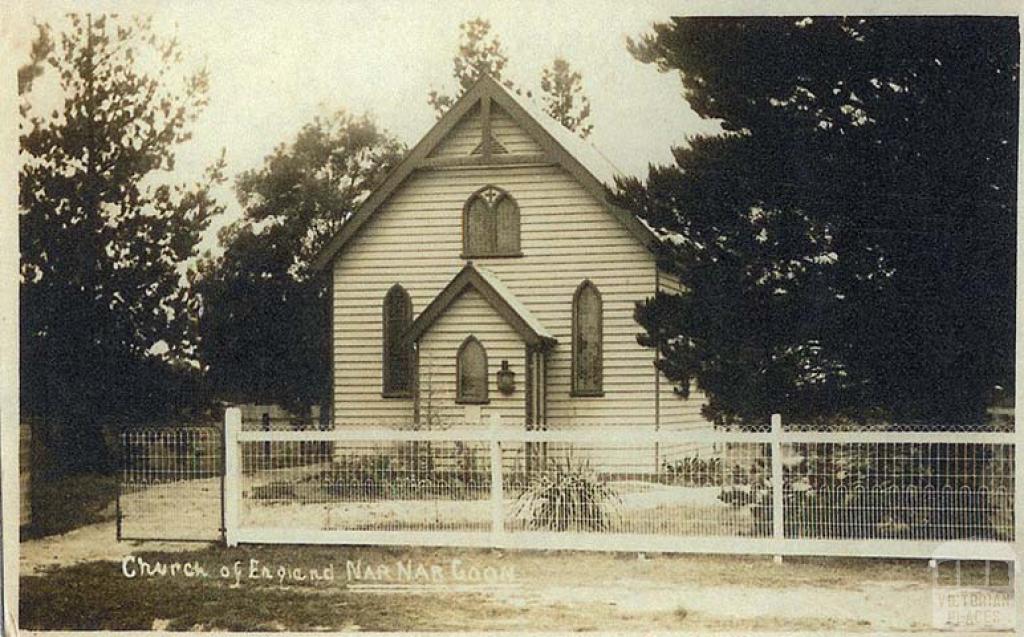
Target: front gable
[496,294]
[488,126]
[469,317]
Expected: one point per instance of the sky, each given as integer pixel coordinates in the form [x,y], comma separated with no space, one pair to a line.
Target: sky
[275,66]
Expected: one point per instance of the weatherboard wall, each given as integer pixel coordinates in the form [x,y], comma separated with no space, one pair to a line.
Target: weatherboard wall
[463,138]
[512,138]
[567,236]
[470,314]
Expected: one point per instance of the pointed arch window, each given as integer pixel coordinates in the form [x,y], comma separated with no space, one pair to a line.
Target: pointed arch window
[490,224]
[471,372]
[397,368]
[587,348]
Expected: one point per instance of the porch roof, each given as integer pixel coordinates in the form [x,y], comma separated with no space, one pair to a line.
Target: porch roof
[496,293]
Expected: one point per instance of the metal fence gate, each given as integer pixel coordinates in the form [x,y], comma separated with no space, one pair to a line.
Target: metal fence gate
[171,484]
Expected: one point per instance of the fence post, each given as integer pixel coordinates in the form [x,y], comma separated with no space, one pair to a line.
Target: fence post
[497,488]
[1018,516]
[778,528]
[232,484]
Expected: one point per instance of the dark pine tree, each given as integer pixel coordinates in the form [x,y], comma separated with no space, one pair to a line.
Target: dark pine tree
[848,243]
[104,233]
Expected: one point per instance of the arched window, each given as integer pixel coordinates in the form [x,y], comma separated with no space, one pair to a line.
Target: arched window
[490,224]
[471,372]
[397,369]
[587,363]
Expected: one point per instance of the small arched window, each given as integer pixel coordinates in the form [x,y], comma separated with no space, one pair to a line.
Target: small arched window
[397,369]
[490,224]
[587,362]
[471,372]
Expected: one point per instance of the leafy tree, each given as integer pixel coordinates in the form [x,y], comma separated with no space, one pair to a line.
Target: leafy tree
[103,233]
[847,245]
[480,53]
[561,93]
[265,321]
[42,48]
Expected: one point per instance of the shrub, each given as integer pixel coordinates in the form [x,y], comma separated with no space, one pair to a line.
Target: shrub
[694,472]
[400,475]
[62,504]
[891,491]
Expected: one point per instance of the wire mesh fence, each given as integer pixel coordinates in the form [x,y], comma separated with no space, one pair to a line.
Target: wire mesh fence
[681,489]
[366,485]
[507,485]
[926,491]
[171,482]
[864,486]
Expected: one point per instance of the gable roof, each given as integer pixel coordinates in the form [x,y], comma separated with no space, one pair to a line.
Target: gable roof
[517,315]
[561,147]
[584,152]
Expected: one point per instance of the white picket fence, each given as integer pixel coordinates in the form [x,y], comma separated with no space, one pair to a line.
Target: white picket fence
[941,495]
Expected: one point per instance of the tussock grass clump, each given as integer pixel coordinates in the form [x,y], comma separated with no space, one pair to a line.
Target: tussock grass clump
[566,496]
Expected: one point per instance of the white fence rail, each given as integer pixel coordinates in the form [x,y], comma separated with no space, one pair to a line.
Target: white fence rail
[777,492]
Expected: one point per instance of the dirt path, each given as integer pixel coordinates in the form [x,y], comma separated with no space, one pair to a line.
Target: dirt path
[550,589]
[91,543]
[875,605]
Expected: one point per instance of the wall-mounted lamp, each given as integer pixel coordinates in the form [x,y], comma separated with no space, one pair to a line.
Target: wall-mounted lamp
[506,379]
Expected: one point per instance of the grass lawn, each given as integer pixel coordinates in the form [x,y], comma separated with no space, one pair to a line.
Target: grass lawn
[542,591]
[62,504]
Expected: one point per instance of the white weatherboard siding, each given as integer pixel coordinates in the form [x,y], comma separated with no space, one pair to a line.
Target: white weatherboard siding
[679,412]
[415,239]
[467,136]
[461,141]
[508,134]
[669,283]
[469,314]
